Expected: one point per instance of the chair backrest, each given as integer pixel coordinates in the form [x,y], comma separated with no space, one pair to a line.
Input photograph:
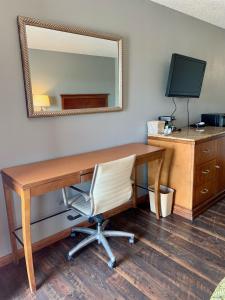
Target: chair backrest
[111,185]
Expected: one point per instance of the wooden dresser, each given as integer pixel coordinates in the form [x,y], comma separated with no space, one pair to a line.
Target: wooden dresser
[194,166]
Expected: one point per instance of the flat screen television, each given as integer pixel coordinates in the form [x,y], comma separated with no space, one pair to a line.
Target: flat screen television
[185,76]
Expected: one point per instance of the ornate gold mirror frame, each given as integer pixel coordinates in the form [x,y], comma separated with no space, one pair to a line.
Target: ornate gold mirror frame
[22,23]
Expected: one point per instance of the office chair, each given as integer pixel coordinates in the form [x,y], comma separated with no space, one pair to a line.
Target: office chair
[111,187]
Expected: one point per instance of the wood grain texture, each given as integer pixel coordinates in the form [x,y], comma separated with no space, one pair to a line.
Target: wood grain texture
[77,101]
[42,177]
[194,166]
[220,164]
[206,172]
[157,187]
[5,260]
[34,174]
[205,152]
[192,136]
[25,211]
[172,259]
[177,170]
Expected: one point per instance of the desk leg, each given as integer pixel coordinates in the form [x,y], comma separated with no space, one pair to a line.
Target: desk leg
[25,210]
[157,188]
[134,178]
[11,220]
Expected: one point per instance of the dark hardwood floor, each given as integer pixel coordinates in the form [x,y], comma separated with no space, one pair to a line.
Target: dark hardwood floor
[172,259]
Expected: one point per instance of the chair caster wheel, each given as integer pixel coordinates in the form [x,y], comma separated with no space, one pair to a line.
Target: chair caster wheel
[68,257]
[73,235]
[112,264]
[131,240]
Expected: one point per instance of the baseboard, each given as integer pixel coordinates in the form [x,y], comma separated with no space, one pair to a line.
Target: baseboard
[143,199]
[196,211]
[205,205]
[7,259]
[177,209]
[183,212]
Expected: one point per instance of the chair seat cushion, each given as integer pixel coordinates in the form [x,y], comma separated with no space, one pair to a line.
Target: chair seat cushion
[81,205]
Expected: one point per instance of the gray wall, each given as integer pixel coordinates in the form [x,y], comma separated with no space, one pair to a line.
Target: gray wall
[55,73]
[151,33]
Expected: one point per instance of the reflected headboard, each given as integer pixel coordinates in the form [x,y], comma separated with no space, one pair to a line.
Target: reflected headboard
[76,101]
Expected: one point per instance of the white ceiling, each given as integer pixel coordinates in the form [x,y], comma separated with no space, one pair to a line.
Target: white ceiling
[53,40]
[211,11]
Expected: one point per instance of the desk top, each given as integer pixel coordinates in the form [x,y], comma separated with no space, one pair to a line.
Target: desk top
[37,173]
[191,134]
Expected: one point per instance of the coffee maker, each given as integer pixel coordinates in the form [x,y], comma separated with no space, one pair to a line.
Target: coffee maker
[169,121]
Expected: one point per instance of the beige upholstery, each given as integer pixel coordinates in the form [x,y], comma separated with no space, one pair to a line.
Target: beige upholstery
[81,205]
[111,185]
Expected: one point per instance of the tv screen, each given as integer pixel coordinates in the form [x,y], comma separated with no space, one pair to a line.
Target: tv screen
[185,76]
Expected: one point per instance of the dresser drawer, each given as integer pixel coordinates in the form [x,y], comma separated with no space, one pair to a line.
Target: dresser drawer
[204,192]
[205,152]
[206,172]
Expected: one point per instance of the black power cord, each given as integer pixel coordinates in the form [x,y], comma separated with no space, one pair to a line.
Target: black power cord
[188,114]
[175,107]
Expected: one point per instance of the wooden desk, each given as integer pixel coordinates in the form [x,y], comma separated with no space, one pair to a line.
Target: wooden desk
[41,177]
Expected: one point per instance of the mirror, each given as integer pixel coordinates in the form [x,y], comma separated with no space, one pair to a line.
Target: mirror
[68,70]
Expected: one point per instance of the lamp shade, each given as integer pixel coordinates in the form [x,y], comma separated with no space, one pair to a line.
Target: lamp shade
[41,100]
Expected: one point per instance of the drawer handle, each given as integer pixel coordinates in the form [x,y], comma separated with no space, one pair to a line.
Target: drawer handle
[204,191]
[206,151]
[217,167]
[206,172]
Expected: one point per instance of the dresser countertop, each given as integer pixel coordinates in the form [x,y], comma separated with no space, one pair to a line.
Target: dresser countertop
[191,134]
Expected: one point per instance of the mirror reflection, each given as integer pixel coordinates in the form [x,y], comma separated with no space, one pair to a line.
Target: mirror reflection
[72,71]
